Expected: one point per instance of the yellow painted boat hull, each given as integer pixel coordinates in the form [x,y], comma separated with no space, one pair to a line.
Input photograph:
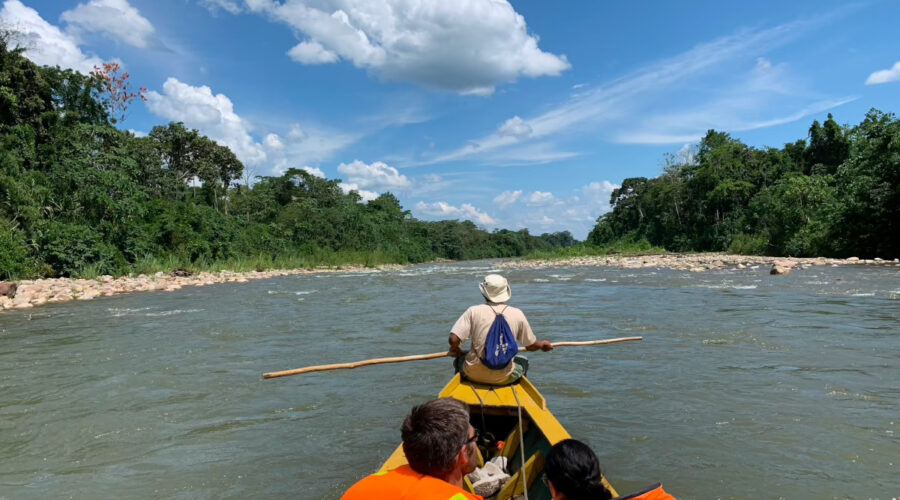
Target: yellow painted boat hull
[495,412]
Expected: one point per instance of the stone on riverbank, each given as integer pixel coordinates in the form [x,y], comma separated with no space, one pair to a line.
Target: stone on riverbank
[8,289]
[777,269]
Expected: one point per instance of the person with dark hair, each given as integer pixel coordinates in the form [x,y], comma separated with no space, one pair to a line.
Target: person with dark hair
[439,444]
[572,472]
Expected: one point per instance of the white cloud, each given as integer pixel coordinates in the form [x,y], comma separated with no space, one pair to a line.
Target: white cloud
[230,6]
[312,144]
[45,44]
[274,142]
[687,154]
[312,53]
[539,199]
[296,132]
[364,194]
[885,76]
[315,172]
[116,18]
[542,212]
[466,211]
[378,175]
[515,127]
[507,198]
[467,47]
[137,133]
[598,193]
[672,88]
[212,114]
[688,126]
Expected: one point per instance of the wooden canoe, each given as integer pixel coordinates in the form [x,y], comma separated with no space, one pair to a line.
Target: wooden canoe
[494,411]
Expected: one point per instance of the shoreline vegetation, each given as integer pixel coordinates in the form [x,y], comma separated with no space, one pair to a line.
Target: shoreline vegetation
[80,197]
[82,201]
[32,293]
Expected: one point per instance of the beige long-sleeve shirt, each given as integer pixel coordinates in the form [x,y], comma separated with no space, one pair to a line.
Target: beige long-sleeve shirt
[475,323]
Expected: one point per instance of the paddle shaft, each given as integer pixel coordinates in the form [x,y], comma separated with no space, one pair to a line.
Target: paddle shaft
[357,364]
[417,357]
[596,342]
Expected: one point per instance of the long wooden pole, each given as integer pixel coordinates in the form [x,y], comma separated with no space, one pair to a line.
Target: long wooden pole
[596,342]
[417,357]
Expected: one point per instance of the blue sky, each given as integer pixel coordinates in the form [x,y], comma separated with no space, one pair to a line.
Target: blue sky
[520,114]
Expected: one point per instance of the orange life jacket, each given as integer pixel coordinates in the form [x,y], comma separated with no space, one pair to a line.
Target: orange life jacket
[403,483]
[654,492]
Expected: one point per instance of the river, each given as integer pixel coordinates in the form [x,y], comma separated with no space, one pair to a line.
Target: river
[745,386]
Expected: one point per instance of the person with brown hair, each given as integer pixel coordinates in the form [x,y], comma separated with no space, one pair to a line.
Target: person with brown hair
[439,444]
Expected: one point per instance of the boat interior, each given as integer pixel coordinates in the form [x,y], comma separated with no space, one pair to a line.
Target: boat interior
[499,436]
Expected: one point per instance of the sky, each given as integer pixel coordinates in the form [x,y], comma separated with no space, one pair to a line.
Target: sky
[522,114]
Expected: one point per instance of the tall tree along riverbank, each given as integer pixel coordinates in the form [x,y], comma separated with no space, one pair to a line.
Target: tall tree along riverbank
[835,194]
[78,197]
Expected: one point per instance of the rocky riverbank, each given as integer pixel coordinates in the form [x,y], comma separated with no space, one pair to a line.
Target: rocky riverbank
[30,293]
[699,262]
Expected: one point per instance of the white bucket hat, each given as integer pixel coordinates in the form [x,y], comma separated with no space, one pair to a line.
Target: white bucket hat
[495,288]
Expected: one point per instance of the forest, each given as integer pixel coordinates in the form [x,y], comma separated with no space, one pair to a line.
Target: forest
[80,197]
[835,193]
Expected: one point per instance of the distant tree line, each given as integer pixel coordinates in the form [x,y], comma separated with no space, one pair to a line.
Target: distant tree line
[80,197]
[835,194]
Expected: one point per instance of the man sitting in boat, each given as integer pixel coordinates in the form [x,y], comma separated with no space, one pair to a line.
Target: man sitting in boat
[572,472]
[439,444]
[475,324]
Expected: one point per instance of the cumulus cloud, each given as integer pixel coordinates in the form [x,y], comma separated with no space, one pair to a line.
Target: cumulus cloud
[312,53]
[364,194]
[378,176]
[212,114]
[885,76]
[515,127]
[45,44]
[539,199]
[543,212]
[116,18]
[444,210]
[315,172]
[598,193]
[274,142]
[466,47]
[507,198]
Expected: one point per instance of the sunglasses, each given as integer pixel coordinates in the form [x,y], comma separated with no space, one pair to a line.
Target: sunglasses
[473,438]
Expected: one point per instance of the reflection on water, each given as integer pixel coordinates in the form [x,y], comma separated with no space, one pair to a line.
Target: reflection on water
[746,385]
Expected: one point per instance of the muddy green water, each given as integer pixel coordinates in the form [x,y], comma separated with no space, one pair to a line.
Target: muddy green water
[746,385]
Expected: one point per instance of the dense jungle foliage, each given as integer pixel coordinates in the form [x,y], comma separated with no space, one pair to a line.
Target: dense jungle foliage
[78,197]
[837,194]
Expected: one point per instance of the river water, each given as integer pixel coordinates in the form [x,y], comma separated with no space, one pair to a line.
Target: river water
[745,386]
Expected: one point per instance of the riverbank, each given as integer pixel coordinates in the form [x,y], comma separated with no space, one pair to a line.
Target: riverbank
[32,293]
[697,262]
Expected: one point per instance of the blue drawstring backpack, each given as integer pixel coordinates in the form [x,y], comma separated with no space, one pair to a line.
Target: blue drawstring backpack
[500,346]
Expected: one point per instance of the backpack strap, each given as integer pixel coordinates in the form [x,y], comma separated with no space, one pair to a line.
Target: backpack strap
[501,311]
